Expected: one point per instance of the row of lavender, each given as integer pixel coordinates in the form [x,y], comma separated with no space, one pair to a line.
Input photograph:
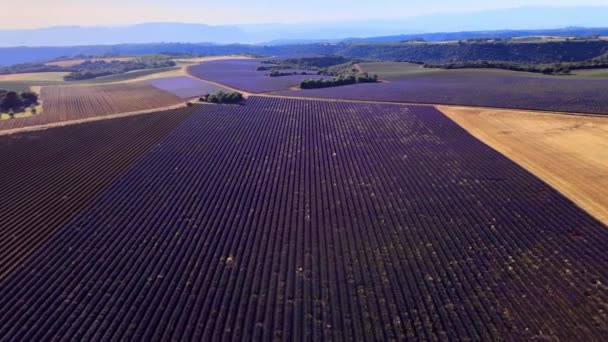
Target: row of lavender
[242,74]
[293,219]
[185,87]
[503,91]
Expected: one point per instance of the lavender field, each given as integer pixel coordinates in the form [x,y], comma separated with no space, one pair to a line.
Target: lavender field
[184,87]
[242,74]
[289,219]
[503,91]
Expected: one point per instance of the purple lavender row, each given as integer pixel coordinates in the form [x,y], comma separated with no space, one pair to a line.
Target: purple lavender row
[242,74]
[185,87]
[518,92]
[299,219]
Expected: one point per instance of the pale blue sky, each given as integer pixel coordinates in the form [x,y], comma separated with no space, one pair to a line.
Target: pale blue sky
[43,13]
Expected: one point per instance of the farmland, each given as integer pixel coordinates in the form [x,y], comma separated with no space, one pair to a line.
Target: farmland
[184,87]
[398,70]
[241,74]
[48,176]
[567,151]
[36,76]
[500,89]
[66,103]
[302,219]
[72,62]
[85,101]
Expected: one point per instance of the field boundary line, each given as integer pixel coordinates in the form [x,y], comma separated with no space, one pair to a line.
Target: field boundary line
[91,119]
[566,187]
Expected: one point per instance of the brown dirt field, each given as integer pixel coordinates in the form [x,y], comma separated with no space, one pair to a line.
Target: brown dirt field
[35,76]
[69,103]
[569,152]
[80,61]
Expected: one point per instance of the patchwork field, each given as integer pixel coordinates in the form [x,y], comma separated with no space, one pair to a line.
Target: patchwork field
[568,152]
[79,102]
[501,91]
[184,87]
[49,176]
[297,219]
[241,74]
[398,70]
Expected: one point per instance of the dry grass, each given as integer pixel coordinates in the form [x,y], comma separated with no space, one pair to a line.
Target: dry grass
[568,152]
[183,64]
[35,76]
[206,59]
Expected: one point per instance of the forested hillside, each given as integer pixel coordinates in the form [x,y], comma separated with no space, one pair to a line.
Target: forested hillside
[499,50]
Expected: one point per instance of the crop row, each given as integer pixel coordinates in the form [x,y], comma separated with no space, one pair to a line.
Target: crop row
[297,219]
[49,176]
[185,87]
[65,103]
[491,90]
[242,74]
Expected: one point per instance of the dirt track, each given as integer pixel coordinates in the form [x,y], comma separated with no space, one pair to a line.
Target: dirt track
[568,152]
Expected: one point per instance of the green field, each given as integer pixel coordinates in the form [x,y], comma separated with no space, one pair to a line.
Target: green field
[24,85]
[397,70]
[126,76]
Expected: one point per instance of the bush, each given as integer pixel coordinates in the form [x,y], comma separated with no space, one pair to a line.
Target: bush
[338,81]
[29,98]
[11,101]
[231,97]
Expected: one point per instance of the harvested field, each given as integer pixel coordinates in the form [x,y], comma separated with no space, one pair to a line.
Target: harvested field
[49,176]
[66,103]
[568,152]
[185,87]
[241,74]
[485,90]
[293,219]
[38,76]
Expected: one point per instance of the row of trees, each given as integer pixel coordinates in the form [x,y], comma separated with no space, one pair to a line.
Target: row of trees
[338,81]
[89,70]
[279,73]
[12,102]
[547,69]
[309,63]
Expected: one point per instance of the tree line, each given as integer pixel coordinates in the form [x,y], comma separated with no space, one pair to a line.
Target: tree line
[338,81]
[600,62]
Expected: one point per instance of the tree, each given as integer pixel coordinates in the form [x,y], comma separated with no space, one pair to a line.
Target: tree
[29,98]
[11,101]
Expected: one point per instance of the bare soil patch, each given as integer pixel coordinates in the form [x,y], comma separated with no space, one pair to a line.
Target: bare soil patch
[568,152]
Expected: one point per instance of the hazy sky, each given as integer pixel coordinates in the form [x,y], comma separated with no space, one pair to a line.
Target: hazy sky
[42,13]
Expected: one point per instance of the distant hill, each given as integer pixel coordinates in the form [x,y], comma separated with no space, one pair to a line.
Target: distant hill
[524,52]
[136,34]
[476,23]
[448,36]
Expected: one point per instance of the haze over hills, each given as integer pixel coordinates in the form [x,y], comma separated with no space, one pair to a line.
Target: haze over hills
[520,18]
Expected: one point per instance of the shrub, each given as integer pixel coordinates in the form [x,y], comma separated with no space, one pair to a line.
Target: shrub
[230,97]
